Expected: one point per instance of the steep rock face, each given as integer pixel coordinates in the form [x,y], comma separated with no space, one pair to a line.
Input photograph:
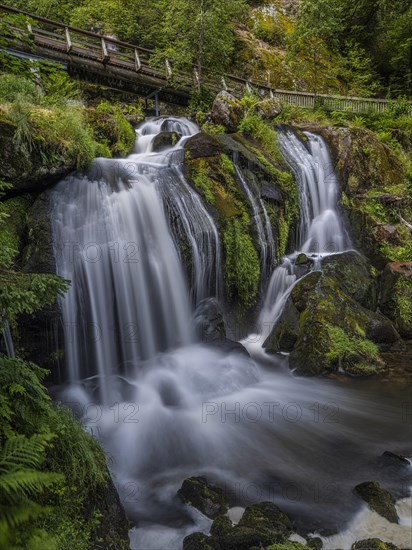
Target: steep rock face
[326,325]
[209,168]
[374,196]
[396,296]
[28,171]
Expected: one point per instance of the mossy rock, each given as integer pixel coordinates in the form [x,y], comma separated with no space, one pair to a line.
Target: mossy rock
[29,171]
[227,111]
[289,545]
[355,275]
[267,516]
[396,296]
[164,140]
[316,543]
[205,497]
[326,329]
[378,499]
[373,544]
[199,541]
[262,524]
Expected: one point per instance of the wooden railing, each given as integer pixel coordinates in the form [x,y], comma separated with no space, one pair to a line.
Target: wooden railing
[71,45]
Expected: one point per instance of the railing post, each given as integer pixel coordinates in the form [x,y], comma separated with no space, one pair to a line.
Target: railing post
[30,29]
[168,70]
[106,56]
[68,40]
[137,62]
[197,79]
[224,83]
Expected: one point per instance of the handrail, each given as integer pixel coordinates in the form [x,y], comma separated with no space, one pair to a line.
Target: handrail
[305,99]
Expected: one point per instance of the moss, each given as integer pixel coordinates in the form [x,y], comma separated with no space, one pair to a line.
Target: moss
[287,546]
[13,213]
[403,301]
[357,351]
[242,266]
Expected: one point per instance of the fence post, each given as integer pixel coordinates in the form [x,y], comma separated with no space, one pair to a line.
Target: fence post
[68,40]
[106,56]
[137,62]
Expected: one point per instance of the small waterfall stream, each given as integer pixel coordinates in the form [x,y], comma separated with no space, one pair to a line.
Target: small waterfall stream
[166,407]
[320,231]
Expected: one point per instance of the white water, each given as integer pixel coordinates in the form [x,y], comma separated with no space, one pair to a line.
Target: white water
[129,299]
[320,232]
[264,230]
[169,408]
[8,340]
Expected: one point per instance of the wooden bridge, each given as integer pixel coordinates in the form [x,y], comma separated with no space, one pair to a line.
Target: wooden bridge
[130,68]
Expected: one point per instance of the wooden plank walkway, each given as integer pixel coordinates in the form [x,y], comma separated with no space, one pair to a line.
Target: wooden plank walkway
[127,67]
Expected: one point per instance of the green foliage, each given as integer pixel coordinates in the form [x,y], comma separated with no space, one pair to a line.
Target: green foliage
[264,134]
[242,265]
[12,221]
[111,127]
[47,464]
[200,33]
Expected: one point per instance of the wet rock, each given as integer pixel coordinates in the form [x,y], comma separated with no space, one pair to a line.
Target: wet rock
[396,296]
[266,516]
[164,140]
[227,111]
[395,459]
[378,499]
[373,544]
[354,274]
[315,542]
[302,259]
[198,541]
[209,322]
[271,193]
[205,497]
[202,145]
[327,330]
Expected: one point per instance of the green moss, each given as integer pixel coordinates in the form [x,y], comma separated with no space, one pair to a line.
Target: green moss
[242,266]
[346,349]
[403,300]
[13,214]
[287,546]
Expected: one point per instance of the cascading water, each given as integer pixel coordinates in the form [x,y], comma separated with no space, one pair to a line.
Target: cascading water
[320,232]
[129,300]
[8,340]
[264,230]
[170,408]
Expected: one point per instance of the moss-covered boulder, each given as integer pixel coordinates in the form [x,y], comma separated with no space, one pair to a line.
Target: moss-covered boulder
[164,140]
[261,525]
[378,500]
[205,497]
[396,296]
[326,329]
[373,544]
[28,170]
[227,111]
[199,541]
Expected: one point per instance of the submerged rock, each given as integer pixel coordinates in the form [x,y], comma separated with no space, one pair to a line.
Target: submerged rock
[378,500]
[205,497]
[395,459]
[209,322]
[227,111]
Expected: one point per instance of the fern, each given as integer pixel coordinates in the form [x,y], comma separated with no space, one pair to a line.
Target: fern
[21,480]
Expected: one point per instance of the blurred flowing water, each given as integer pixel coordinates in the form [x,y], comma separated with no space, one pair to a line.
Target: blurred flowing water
[166,406]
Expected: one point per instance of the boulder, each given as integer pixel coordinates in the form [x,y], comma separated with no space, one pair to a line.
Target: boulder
[269,108]
[209,322]
[205,497]
[378,499]
[164,140]
[202,146]
[396,296]
[261,525]
[395,459]
[373,544]
[227,111]
[29,171]
[316,543]
[198,541]
[326,329]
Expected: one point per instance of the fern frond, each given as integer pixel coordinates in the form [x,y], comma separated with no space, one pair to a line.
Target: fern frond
[24,483]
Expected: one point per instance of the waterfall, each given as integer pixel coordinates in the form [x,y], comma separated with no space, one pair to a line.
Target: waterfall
[112,235]
[320,230]
[264,230]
